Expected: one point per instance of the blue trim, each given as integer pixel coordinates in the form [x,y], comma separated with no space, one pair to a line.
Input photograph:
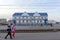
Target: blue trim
[14,21]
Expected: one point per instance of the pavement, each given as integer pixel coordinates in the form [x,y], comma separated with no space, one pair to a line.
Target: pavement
[33,36]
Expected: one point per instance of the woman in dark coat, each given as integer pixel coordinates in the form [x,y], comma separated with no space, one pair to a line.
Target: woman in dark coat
[8,32]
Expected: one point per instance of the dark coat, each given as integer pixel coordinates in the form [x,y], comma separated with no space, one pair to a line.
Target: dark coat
[9,29]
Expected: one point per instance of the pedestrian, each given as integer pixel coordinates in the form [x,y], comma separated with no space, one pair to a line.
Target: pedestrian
[8,32]
[13,30]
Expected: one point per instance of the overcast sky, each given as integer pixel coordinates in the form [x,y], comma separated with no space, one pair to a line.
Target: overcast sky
[52,7]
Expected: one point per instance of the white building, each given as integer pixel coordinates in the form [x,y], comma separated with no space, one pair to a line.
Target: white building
[30,18]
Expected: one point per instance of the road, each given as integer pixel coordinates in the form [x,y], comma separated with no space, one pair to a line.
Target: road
[33,36]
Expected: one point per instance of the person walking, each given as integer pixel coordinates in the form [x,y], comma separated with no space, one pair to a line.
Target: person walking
[8,32]
[13,30]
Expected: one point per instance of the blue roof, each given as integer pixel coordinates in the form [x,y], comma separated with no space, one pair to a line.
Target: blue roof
[31,14]
[17,14]
[43,14]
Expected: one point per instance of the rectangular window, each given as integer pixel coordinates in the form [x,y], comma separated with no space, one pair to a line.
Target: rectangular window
[28,21]
[17,17]
[46,17]
[36,17]
[24,17]
[35,21]
[39,21]
[24,21]
[28,17]
[21,21]
[14,17]
[43,17]
[17,21]
[32,21]
[21,17]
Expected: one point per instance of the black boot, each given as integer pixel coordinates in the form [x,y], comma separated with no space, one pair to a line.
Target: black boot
[5,37]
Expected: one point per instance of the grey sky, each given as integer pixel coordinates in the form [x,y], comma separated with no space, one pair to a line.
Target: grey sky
[52,7]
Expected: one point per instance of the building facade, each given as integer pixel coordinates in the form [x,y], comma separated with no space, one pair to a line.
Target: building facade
[30,18]
[3,21]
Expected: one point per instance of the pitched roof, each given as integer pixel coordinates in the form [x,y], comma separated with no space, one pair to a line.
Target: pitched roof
[25,14]
[31,14]
[43,14]
[17,14]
